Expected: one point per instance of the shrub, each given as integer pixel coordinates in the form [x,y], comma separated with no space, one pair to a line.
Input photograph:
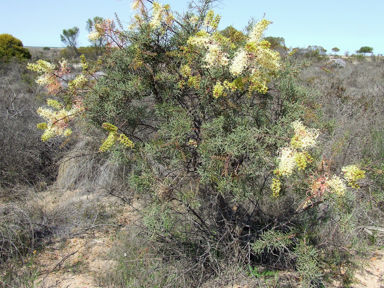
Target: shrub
[214,131]
[46,48]
[12,47]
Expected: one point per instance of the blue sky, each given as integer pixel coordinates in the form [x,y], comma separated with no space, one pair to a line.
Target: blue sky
[347,25]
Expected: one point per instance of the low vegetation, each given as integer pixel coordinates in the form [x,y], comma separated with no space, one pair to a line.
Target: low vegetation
[247,159]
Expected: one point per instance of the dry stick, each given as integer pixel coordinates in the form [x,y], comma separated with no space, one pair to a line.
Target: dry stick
[59,264]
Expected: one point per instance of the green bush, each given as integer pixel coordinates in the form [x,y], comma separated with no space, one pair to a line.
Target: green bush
[46,48]
[210,129]
[12,47]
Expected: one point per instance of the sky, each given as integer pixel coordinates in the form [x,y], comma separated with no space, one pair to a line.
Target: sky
[346,24]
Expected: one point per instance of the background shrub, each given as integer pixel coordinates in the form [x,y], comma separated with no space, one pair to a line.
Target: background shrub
[12,47]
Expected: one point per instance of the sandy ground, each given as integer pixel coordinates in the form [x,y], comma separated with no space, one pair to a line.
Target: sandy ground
[373,274]
[74,262]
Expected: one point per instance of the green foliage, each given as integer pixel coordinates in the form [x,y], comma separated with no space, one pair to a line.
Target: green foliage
[365,49]
[335,49]
[277,43]
[12,47]
[70,38]
[210,115]
[46,48]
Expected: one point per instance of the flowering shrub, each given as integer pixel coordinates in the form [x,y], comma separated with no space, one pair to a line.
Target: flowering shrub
[200,118]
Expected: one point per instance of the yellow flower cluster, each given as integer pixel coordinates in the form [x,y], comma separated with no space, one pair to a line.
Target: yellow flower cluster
[136,4]
[194,81]
[352,174]
[113,136]
[276,187]
[111,139]
[125,141]
[212,21]
[41,67]
[78,82]
[255,58]
[42,126]
[267,58]
[218,90]
[67,132]
[55,104]
[302,159]
[290,157]
[200,39]
[186,71]
[57,121]
[192,143]
[257,82]
[109,127]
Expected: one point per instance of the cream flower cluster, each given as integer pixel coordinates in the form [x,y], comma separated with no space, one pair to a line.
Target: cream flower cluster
[158,12]
[57,122]
[287,161]
[49,77]
[136,4]
[94,35]
[257,56]
[337,185]
[290,156]
[215,56]
[239,62]
[267,58]
[296,155]
[258,30]
[41,66]
[304,137]
[193,19]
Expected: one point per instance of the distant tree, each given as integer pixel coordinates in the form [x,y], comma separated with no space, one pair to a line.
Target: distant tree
[91,26]
[319,49]
[12,47]
[335,49]
[365,49]
[277,43]
[233,34]
[69,38]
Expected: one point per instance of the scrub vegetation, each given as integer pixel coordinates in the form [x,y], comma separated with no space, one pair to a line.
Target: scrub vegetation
[245,162]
